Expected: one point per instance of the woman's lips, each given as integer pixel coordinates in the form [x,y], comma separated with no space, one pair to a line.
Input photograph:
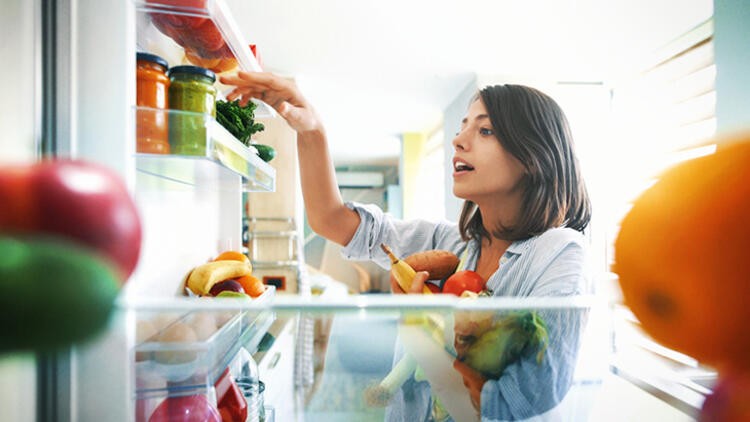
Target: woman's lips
[461,166]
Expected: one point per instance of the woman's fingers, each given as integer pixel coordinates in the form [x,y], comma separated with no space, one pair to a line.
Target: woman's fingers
[265,86]
[417,284]
[395,288]
[280,93]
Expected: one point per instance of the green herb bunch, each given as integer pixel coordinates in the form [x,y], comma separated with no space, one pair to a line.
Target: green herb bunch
[238,120]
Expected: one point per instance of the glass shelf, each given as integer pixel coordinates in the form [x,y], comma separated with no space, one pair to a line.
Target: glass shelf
[222,156]
[197,32]
[191,349]
[354,342]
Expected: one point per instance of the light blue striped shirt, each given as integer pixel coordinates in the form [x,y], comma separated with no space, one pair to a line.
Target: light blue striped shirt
[551,264]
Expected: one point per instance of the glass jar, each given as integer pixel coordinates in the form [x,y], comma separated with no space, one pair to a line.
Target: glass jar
[192,92]
[152,85]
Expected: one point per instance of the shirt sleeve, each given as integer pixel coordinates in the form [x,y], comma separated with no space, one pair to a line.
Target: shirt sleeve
[529,388]
[403,237]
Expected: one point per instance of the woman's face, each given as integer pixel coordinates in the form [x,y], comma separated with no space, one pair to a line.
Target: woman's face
[483,171]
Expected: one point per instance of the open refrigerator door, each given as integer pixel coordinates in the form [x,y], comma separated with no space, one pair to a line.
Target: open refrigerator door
[190,208]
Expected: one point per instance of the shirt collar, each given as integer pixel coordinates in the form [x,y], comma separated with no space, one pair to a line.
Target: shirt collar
[519,246]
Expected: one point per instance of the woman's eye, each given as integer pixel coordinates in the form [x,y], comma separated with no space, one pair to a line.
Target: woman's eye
[486,132]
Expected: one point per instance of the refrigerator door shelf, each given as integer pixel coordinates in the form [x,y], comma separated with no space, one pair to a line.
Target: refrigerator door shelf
[196,32]
[222,158]
[192,349]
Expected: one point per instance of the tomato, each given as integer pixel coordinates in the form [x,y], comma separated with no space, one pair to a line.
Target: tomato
[463,280]
[434,288]
[83,202]
[209,36]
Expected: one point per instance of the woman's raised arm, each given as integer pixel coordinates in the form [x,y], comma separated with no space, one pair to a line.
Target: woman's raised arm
[326,212]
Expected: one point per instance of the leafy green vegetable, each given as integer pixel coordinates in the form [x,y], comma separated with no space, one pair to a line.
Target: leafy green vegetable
[238,120]
[514,336]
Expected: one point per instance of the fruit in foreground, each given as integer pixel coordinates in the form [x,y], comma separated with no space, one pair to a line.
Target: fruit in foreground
[78,200]
[53,293]
[682,257]
[729,401]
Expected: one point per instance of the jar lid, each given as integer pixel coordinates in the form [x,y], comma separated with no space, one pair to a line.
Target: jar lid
[195,70]
[153,58]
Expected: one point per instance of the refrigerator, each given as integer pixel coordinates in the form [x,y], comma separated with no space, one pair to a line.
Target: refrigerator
[321,352]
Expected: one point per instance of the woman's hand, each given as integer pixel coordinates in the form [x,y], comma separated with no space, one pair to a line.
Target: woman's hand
[417,284]
[281,94]
[473,380]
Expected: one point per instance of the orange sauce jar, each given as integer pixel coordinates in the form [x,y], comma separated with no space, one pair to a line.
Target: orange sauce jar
[152,130]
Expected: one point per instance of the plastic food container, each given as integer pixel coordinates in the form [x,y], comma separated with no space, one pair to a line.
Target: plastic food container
[191,89]
[152,84]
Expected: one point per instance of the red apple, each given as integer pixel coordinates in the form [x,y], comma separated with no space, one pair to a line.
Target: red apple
[226,285]
[84,202]
[193,408]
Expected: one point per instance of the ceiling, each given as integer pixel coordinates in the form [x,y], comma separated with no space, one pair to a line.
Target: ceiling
[378,68]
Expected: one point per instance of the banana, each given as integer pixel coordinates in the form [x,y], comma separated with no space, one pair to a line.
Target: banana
[205,276]
[402,272]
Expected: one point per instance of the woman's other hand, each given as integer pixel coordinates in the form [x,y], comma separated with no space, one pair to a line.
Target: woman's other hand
[473,381]
[280,93]
[417,284]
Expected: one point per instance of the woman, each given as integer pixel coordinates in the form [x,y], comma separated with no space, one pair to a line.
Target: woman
[520,228]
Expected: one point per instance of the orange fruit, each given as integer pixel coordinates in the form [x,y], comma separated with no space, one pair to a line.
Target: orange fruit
[232,256]
[252,285]
[683,257]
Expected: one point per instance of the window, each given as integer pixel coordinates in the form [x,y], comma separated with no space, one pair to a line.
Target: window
[664,115]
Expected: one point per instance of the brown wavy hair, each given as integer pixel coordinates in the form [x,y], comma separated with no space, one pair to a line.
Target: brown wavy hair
[533,128]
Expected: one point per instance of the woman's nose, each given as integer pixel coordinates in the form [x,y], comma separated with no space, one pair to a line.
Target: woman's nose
[459,141]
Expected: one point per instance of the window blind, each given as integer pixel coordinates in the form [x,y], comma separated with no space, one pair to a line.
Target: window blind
[663,115]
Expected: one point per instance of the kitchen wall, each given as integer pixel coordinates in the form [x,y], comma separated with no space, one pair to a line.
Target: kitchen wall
[732,55]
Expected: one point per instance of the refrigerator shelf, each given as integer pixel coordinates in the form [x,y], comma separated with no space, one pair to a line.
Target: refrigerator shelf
[165,363]
[197,32]
[222,153]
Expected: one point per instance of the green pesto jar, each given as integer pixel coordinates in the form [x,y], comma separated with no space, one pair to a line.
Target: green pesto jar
[192,91]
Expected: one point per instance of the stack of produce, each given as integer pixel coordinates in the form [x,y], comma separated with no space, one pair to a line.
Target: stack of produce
[70,236]
[202,40]
[228,275]
[485,341]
